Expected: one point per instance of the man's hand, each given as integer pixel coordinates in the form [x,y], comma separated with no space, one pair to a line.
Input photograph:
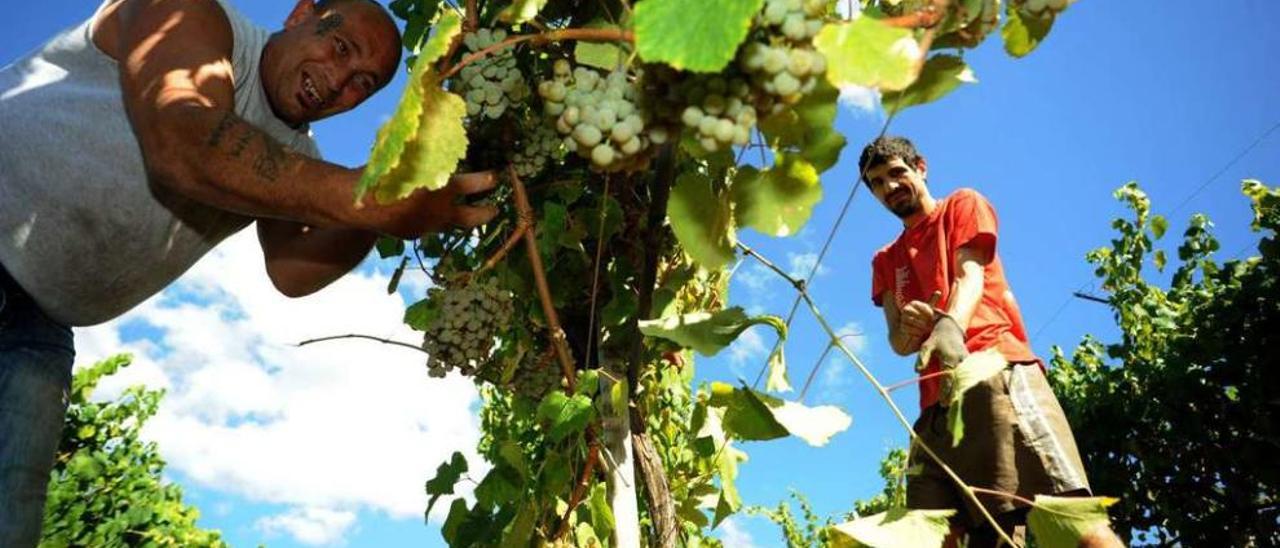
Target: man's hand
[433,211]
[917,317]
[946,341]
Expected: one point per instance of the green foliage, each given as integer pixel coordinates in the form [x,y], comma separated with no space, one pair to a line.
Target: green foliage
[867,52]
[1060,522]
[976,368]
[894,527]
[1178,417]
[710,31]
[709,332]
[810,533]
[941,75]
[106,487]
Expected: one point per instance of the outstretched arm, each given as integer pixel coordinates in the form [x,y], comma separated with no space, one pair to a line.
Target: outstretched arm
[178,88]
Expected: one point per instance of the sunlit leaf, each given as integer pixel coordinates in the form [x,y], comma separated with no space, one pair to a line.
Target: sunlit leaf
[1059,522]
[777,201]
[708,332]
[702,221]
[700,36]
[1022,32]
[941,75]
[421,145]
[753,416]
[602,55]
[897,528]
[521,10]
[867,52]
[565,415]
[777,381]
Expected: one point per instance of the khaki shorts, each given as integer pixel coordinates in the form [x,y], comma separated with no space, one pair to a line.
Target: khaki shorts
[1016,440]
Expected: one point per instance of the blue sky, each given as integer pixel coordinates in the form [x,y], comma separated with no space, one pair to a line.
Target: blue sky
[290,446]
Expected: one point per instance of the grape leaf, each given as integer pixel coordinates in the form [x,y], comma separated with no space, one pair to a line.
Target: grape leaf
[753,416]
[897,527]
[1022,32]
[729,500]
[941,75]
[777,381]
[777,201]
[700,36]
[421,145]
[978,367]
[602,55]
[701,220]
[601,514]
[867,52]
[447,475]
[1059,522]
[566,415]
[521,10]
[708,332]
[808,128]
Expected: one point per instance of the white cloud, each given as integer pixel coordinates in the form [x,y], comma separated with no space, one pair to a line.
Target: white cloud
[755,277]
[733,535]
[849,9]
[328,429]
[314,526]
[749,346]
[864,99]
[803,263]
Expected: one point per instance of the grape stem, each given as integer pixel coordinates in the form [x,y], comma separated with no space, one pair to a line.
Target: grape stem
[359,336]
[540,280]
[579,490]
[523,222]
[558,35]
[473,16]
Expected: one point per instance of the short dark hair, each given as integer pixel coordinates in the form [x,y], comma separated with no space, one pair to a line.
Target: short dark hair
[884,149]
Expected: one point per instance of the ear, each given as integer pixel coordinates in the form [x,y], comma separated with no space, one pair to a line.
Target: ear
[922,167]
[301,11]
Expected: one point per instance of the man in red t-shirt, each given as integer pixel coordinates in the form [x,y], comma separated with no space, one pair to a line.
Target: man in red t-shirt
[942,287]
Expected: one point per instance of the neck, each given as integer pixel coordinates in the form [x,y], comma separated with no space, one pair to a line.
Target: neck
[927,205]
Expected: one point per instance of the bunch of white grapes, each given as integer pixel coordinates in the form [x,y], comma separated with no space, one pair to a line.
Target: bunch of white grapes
[798,20]
[539,144]
[1044,8]
[492,84]
[535,377]
[462,334]
[783,71]
[720,112]
[598,117]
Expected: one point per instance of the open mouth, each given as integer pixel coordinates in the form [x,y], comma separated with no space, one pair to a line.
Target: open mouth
[311,97]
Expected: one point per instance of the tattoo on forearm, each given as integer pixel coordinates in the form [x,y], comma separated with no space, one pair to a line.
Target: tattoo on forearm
[241,142]
[329,24]
[228,121]
[271,162]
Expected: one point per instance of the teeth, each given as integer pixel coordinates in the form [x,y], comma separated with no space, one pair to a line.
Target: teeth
[310,88]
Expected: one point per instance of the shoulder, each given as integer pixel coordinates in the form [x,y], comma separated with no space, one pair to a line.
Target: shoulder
[966,195]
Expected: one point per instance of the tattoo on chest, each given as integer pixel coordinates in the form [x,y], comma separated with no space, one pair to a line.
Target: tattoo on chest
[328,24]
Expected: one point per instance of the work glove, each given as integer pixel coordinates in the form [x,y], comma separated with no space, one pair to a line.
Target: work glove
[946,342]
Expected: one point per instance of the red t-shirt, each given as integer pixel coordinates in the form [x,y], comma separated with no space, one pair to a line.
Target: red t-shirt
[922,260]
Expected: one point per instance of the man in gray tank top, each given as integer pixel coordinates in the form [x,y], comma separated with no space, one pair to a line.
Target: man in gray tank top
[135,142]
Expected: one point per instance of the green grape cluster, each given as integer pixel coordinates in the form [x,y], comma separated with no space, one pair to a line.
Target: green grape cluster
[1044,8]
[462,334]
[598,116]
[535,377]
[782,62]
[798,20]
[539,144]
[493,84]
[720,112]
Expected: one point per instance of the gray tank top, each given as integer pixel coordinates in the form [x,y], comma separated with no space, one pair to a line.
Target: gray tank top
[80,229]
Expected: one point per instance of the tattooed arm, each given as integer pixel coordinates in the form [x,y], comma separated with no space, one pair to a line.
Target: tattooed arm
[178,88]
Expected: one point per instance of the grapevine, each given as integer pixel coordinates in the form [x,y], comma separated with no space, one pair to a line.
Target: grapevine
[574,315]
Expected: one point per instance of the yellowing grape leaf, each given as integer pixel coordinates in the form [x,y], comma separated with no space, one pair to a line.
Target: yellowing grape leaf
[521,10]
[421,145]
[978,367]
[1022,32]
[1059,522]
[702,221]
[602,55]
[777,381]
[708,332]
[896,528]
[700,36]
[941,75]
[777,201]
[867,52]
[753,416]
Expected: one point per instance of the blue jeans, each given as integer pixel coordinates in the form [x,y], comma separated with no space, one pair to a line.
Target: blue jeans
[36,354]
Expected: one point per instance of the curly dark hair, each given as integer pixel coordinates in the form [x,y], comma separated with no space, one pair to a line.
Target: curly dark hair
[882,150]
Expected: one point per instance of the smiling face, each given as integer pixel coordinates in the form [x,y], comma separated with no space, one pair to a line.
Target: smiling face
[328,59]
[898,186]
